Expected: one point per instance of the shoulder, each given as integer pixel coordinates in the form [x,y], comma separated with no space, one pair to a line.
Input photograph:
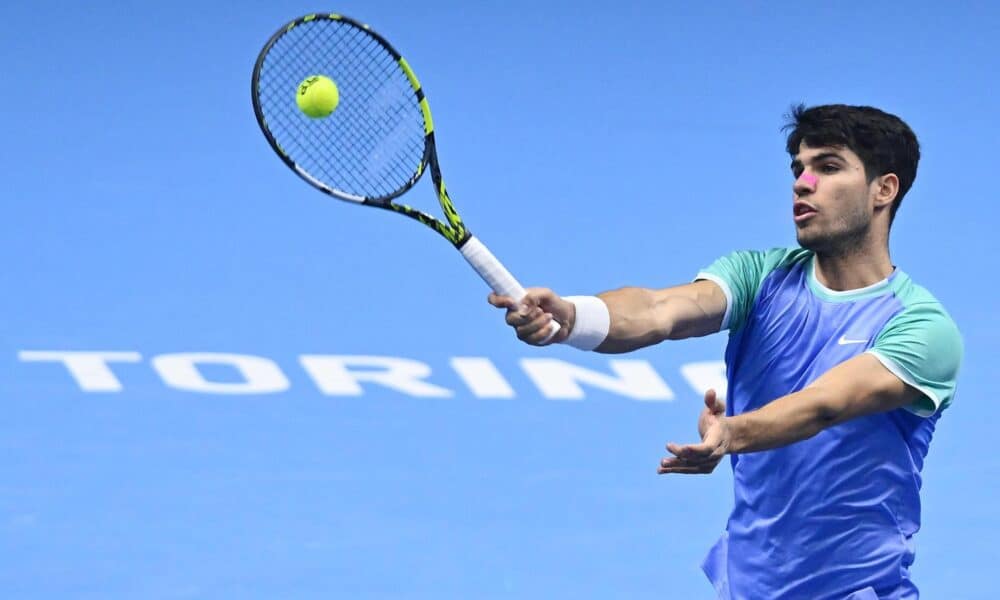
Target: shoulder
[755,264]
[770,259]
[741,274]
[920,306]
[921,344]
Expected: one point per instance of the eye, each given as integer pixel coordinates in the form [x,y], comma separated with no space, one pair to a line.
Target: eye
[829,168]
[796,172]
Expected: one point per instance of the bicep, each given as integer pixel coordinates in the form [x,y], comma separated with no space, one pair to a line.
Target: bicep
[691,310]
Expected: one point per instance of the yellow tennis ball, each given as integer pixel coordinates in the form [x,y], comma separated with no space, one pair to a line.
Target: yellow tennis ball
[317,96]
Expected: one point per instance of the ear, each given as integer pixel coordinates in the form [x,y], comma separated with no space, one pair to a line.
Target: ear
[885,189]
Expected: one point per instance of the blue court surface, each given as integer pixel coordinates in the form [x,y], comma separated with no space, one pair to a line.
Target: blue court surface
[217,382]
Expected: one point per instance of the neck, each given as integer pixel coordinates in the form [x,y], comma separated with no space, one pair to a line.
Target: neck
[853,270]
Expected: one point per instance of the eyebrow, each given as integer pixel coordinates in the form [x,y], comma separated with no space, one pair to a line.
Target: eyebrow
[819,157]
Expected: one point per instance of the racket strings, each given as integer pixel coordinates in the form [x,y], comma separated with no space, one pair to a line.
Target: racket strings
[373,144]
[351,126]
[361,44]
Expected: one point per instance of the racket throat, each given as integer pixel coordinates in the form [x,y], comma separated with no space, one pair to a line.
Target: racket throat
[459,234]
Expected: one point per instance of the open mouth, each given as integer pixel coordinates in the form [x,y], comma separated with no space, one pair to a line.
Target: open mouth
[802,212]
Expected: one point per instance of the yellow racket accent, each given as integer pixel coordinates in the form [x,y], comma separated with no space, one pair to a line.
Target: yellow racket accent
[409,73]
[428,122]
[424,106]
[458,228]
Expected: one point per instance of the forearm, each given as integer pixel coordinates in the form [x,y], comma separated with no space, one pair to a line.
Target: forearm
[631,318]
[635,320]
[788,419]
[642,317]
[854,388]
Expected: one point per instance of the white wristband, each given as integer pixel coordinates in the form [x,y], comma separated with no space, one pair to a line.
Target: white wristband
[593,321]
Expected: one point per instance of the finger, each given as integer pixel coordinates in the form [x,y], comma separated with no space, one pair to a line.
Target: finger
[530,330]
[537,321]
[698,461]
[718,406]
[672,464]
[713,404]
[523,316]
[558,337]
[520,315]
[676,449]
[674,461]
[670,461]
[710,397]
[542,336]
[538,296]
[685,470]
[501,301]
[692,453]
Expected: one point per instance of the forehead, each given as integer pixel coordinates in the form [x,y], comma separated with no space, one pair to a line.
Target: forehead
[808,153]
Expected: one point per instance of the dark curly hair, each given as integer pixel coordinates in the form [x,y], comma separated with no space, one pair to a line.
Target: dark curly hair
[883,142]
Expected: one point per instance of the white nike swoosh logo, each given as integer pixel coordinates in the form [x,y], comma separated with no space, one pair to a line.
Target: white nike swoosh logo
[843,340]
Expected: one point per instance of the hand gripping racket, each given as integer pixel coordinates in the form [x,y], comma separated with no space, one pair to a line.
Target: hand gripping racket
[378,141]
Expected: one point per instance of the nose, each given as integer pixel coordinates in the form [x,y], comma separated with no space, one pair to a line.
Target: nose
[805,184]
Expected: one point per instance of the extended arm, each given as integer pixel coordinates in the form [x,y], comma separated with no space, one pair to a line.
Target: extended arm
[856,387]
[643,317]
[639,317]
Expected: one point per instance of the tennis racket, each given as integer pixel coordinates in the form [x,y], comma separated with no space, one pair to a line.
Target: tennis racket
[377,143]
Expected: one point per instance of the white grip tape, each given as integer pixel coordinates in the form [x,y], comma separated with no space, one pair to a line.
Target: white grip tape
[495,274]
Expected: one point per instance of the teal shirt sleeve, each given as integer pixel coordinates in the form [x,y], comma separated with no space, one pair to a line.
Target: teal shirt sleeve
[740,276]
[923,347]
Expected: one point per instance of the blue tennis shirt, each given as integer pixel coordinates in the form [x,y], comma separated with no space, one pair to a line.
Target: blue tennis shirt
[833,516]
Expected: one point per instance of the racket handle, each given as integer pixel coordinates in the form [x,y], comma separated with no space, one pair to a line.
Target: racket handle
[495,274]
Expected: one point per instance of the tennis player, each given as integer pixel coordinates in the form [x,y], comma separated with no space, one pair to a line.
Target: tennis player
[838,368]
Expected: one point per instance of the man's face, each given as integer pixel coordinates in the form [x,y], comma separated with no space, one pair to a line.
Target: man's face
[831,199]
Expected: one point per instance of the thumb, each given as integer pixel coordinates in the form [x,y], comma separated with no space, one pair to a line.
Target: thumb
[712,402]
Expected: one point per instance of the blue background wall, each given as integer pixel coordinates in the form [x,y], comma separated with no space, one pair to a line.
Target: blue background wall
[590,145]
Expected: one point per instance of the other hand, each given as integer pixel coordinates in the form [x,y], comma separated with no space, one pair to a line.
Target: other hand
[715,437]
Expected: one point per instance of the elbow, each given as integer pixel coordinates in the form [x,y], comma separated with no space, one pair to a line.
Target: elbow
[828,409]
